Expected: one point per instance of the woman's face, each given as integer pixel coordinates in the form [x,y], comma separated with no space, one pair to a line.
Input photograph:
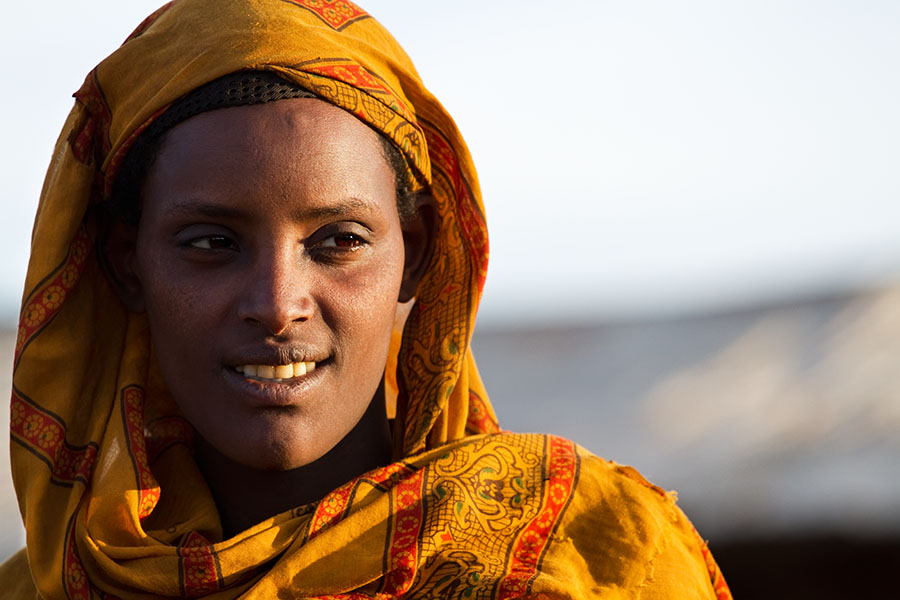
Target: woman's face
[270,240]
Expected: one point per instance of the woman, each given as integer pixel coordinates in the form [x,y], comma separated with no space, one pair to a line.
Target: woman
[243,199]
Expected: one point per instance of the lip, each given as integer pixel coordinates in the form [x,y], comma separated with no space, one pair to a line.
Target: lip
[261,393]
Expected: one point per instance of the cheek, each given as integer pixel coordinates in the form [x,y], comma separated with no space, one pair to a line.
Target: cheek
[360,310]
[174,289]
[180,311]
[366,296]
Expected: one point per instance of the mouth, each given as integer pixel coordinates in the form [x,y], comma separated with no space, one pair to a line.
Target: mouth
[277,373]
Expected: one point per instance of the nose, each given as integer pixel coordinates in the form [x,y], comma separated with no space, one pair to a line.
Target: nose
[277,290]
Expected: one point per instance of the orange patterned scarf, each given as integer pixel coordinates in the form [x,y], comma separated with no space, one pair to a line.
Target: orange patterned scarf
[113,503]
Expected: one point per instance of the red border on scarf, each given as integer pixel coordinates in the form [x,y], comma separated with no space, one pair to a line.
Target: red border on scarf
[333,507]
[199,568]
[408,518]
[470,217]
[479,419]
[47,298]
[133,420]
[45,436]
[337,14]
[529,547]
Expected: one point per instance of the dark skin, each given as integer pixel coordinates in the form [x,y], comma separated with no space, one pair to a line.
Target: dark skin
[266,493]
[270,240]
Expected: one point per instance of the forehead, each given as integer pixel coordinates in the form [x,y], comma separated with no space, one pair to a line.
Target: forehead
[299,126]
[302,146]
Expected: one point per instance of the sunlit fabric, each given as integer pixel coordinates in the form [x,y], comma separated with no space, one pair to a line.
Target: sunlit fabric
[113,503]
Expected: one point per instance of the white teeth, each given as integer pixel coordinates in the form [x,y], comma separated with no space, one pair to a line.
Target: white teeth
[284,371]
[277,372]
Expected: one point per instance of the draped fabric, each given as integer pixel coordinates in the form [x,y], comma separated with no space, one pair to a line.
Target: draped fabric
[113,503]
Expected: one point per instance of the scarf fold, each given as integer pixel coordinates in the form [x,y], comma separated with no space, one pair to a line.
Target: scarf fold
[113,503]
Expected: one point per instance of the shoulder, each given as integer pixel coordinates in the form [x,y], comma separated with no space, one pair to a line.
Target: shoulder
[630,534]
[615,530]
[15,578]
[587,527]
[603,490]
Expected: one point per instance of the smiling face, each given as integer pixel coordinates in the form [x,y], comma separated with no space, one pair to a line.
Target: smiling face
[270,241]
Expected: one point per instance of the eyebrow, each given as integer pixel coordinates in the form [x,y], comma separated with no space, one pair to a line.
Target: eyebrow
[204,208]
[212,209]
[339,209]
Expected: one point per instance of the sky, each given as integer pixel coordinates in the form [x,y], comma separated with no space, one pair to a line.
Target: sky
[637,158]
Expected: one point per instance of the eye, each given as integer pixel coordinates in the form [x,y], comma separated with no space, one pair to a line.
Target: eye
[343,241]
[340,243]
[213,242]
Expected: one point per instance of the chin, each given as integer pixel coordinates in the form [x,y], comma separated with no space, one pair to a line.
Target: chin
[267,461]
[270,453]
[277,459]
[276,463]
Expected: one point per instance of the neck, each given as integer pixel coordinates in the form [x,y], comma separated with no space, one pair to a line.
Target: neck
[246,496]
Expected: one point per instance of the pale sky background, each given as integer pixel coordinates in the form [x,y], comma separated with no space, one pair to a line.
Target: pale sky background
[636,158]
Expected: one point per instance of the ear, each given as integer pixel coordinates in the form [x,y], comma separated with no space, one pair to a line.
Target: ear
[117,253]
[419,234]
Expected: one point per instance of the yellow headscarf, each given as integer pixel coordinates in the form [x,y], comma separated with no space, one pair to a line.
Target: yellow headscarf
[113,503]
